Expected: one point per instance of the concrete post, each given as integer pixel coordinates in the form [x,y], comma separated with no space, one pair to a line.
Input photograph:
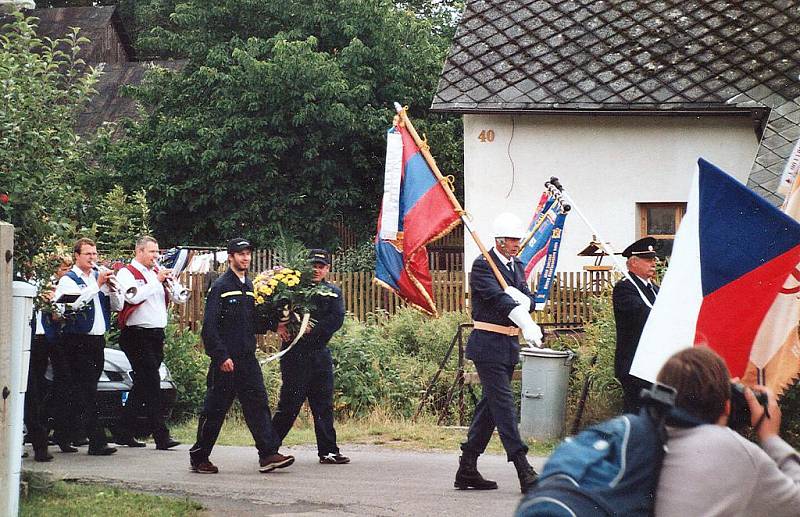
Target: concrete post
[6,277]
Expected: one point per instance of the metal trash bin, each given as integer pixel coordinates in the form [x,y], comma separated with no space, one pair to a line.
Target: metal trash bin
[545,380]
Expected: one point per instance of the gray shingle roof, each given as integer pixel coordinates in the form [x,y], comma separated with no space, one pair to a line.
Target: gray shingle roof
[633,55]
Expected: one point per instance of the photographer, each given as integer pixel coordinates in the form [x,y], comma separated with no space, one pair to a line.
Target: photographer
[709,469]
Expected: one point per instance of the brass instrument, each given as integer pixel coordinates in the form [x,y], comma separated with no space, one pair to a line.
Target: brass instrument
[179,292]
[113,284]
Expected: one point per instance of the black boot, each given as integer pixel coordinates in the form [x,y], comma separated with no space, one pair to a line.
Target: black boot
[527,476]
[41,454]
[468,476]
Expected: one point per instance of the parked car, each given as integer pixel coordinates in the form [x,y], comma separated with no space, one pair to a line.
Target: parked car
[113,388]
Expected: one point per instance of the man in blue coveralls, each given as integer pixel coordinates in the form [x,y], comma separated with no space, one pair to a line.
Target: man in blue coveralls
[307,369]
[229,329]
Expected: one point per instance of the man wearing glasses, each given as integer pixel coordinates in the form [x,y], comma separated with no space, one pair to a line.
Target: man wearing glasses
[85,323]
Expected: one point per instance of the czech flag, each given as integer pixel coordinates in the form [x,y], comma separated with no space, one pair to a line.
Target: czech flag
[415,211]
[732,255]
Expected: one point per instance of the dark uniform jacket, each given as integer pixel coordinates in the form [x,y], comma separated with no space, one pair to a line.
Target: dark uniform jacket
[491,305]
[630,315]
[229,323]
[328,317]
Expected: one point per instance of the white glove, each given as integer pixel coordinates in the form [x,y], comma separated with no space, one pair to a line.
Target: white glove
[530,330]
[518,297]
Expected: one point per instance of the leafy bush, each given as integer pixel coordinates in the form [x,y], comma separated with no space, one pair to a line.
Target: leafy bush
[360,258]
[387,362]
[790,411]
[604,398]
[188,365]
[44,166]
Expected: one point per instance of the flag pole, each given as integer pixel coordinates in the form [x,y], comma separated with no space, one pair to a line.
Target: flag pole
[424,149]
[557,191]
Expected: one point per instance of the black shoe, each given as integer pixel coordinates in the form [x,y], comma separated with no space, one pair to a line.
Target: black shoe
[528,480]
[81,442]
[527,476]
[41,455]
[167,444]
[130,441]
[334,459]
[65,447]
[203,467]
[105,451]
[468,476]
[274,461]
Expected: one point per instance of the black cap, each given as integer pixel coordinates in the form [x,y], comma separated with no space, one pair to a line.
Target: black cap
[239,244]
[644,248]
[319,256]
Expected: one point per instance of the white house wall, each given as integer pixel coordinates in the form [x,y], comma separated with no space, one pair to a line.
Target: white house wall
[608,164]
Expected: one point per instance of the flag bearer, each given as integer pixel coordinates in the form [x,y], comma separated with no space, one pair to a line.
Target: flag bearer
[500,316]
[631,313]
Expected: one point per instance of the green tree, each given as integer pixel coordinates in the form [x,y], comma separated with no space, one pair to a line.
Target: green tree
[279,116]
[42,161]
[122,219]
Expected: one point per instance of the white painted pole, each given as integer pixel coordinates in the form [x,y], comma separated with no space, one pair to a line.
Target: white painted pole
[559,192]
[6,275]
[21,314]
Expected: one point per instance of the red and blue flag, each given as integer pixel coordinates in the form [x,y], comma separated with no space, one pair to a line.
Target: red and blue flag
[732,254]
[415,210]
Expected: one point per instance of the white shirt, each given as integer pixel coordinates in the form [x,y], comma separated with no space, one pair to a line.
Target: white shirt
[89,294]
[152,313]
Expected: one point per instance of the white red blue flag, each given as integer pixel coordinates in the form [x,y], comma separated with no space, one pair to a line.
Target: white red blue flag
[415,211]
[732,254]
[543,241]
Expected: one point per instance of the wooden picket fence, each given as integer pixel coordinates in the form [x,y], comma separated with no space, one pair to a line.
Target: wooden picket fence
[569,301]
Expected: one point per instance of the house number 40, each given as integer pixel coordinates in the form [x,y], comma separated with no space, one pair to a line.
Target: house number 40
[487,135]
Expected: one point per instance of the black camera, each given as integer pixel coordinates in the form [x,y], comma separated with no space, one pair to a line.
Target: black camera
[740,411]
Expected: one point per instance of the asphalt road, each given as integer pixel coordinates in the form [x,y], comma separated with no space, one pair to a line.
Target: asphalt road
[380,481]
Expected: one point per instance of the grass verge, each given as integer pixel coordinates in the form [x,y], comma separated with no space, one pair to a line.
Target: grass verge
[45,497]
[376,429]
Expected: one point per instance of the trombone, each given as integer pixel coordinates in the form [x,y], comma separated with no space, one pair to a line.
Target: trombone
[129,293]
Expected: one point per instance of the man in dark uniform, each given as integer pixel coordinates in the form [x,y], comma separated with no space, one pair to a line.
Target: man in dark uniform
[630,315]
[229,328]
[493,346]
[307,369]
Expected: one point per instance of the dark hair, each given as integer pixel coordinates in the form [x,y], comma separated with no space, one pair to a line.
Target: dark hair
[80,243]
[701,379]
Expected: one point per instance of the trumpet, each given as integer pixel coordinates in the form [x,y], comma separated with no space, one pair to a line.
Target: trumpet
[129,293]
[179,292]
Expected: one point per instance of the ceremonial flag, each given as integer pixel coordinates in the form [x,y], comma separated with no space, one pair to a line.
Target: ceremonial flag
[415,211]
[732,255]
[543,240]
[775,358]
[534,246]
